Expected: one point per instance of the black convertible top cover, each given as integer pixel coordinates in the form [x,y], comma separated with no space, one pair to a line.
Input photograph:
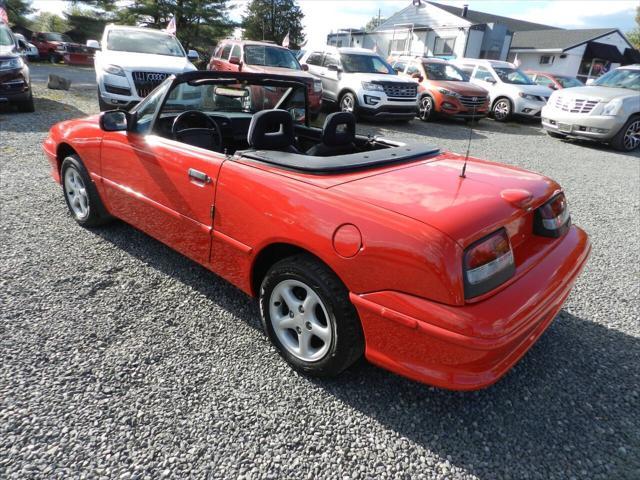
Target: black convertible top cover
[342,163]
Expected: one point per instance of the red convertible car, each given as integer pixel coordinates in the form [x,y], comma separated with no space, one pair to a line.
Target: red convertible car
[354,245]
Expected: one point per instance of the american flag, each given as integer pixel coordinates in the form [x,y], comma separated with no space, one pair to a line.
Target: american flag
[3,13]
[171,27]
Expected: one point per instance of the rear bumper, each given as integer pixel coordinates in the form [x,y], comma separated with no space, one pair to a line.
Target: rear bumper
[472,346]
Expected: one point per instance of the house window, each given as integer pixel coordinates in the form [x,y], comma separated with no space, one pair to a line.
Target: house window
[398,45]
[547,59]
[444,46]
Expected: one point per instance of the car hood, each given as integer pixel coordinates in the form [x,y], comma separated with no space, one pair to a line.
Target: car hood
[596,93]
[465,209]
[138,61]
[7,51]
[369,77]
[463,88]
[531,89]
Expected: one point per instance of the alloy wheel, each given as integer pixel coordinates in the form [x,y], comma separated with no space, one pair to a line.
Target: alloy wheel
[426,106]
[346,104]
[76,193]
[501,110]
[300,320]
[632,136]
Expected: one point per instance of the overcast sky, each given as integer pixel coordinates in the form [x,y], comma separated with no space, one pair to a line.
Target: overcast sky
[323,16]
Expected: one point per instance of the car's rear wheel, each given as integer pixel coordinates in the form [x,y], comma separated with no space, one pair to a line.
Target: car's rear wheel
[54,58]
[502,110]
[425,108]
[628,138]
[349,103]
[81,194]
[308,316]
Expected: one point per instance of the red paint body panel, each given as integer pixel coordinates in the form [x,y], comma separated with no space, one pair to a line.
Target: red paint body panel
[404,272]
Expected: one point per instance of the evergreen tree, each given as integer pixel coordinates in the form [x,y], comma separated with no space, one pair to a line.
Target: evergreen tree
[17,11]
[272,20]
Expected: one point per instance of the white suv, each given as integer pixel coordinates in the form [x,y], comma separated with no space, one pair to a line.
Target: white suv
[133,61]
[361,82]
[511,91]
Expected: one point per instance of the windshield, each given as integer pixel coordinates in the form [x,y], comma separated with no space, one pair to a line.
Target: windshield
[620,78]
[57,37]
[5,37]
[444,71]
[233,97]
[512,75]
[361,63]
[138,41]
[270,57]
[568,82]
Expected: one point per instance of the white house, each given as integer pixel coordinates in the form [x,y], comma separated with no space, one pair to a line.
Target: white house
[583,53]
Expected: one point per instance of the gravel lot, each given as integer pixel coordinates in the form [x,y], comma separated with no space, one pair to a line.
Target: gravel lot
[123,359]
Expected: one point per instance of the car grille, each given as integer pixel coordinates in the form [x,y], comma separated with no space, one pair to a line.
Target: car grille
[471,102]
[400,90]
[145,82]
[575,105]
[117,90]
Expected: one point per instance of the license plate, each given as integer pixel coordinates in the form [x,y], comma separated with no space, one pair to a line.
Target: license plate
[564,127]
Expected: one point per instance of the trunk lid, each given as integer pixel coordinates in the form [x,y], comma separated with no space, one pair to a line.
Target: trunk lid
[489,197]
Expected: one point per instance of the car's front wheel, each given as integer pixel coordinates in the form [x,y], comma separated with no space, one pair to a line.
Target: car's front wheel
[628,138]
[502,110]
[81,194]
[308,316]
[349,103]
[425,108]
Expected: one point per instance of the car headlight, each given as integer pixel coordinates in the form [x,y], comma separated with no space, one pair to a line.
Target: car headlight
[114,70]
[61,48]
[613,107]
[448,93]
[372,86]
[317,86]
[11,63]
[528,96]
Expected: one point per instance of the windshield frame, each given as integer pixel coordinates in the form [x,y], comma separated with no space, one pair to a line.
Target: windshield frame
[613,73]
[5,30]
[151,32]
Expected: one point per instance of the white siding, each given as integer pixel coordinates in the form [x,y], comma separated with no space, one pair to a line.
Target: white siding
[475,44]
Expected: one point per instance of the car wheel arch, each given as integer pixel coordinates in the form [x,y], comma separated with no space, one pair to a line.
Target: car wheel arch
[345,91]
[271,254]
[501,97]
[63,151]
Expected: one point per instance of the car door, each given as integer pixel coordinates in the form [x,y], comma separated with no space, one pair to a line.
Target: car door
[483,77]
[236,52]
[330,78]
[222,63]
[163,187]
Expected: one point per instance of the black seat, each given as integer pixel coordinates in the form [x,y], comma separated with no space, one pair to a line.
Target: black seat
[272,130]
[338,136]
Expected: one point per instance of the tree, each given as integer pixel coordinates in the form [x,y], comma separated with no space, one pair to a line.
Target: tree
[374,23]
[17,11]
[49,22]
[272,20]
[634,35]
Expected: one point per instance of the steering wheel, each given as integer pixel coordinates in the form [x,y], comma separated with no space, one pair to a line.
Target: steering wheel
[206,134]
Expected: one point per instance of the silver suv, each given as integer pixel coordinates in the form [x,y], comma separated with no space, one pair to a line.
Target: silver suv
[608,110]
[361,82]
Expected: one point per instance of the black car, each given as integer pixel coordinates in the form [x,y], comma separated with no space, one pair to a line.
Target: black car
[15,82]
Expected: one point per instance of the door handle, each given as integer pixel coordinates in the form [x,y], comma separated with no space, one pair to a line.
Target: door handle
[199,176]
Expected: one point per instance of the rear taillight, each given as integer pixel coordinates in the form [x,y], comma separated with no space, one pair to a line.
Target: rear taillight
[552,219]
[487,264]
[317,86]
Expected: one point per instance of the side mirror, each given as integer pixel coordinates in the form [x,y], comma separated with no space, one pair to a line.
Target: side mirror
[114,121]
[234,60]
[193,55]
[333,68]
[490,80]
[93,44]
[304,67]
[553,86]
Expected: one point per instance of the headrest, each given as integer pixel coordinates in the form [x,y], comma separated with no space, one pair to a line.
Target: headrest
[339,129]
[271,130]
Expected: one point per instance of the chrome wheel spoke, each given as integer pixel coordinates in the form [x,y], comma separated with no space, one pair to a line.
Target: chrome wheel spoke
[304,343]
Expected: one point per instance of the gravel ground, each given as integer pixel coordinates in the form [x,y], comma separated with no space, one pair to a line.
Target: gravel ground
[123,359]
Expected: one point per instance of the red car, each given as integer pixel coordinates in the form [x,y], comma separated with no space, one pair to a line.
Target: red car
[56,47]
[354,245]
[265,57]
[553,81]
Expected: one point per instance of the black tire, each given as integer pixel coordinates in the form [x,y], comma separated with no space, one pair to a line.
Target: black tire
[54,58]
[623,140]
[426,109]
[556,135]
[97,213]
[27,105]
[502,110]
[352,105]
[104,106]
[347,340]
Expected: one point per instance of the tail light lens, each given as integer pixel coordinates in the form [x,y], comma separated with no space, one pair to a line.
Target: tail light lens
[552,219]
[487,264]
